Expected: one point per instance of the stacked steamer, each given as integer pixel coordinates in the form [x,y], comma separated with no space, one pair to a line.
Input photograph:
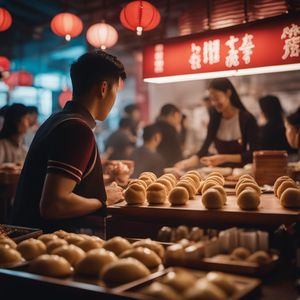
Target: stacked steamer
[213,192]
[62,254]
[286,190]
[248,193]
[165,189]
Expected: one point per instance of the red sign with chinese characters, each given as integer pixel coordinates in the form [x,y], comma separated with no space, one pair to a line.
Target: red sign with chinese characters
[270,42]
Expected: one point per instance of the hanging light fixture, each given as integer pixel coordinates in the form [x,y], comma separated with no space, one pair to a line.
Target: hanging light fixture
[65,96]
[5,19]
[4,64]
[140,16]
[66,25]
[102,35]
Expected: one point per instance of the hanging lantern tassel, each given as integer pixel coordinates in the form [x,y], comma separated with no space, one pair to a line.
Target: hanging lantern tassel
[66,25]
[140,16]
[102,35]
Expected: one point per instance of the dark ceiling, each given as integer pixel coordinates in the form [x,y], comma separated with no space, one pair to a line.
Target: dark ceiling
[31,19]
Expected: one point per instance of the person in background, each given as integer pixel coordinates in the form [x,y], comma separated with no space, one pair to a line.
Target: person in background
[272,134]
[132,112]
[183,131]
[15,126]
[2,115]
[169,123]
[146,158]
[120,144]
[33,115]
[62,179]
[231,128]
[292,125]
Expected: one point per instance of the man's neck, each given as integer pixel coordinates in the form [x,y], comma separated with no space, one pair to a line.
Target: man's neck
[88,104]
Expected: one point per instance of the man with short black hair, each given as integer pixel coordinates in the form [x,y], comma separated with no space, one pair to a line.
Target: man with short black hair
[62,181]
[169,124]
[132,111]
[146,158]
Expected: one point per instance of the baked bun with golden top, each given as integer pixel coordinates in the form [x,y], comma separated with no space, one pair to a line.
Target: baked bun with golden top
[278,182]
[7,241]
[47,237]
[248,199]
[189,187]
[117,245]
[157,290]
[156,193]
[166,183]
[89,244]
[290,198]
[123,271]
[179,196]
[212,199]
[9,256]
[135,194]
[71,253]
[94,262]
[244,186]
[285,185]
[51,265]
[55,244]
[73,238]
[148,257]
[32,248]
[152,245]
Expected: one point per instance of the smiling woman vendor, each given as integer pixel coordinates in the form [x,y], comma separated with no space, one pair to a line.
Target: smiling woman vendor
[232,129]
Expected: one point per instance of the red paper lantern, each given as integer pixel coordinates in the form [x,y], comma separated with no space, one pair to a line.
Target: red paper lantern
[5,19]
[140,16]
[4,64]
[19,78]
[64,97]
[66,25]
[102,35]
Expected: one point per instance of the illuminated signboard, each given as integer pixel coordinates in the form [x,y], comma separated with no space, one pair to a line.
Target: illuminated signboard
[271,45]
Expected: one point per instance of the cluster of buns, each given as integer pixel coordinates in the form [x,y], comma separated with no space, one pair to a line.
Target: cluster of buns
[248,193]
[287,191]
[163,189]
[168,234]
[62,254]
[181,284]
[9,255]
[213,192]
[259,257]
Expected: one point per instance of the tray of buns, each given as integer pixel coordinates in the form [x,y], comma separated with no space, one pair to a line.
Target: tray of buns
[180,283]
[18,233]
[169,198]
[82,258]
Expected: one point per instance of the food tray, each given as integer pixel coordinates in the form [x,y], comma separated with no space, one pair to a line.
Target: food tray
[18,233]
[222,263]
[246,287]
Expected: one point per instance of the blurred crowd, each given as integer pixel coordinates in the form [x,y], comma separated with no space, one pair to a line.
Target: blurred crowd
[153,147]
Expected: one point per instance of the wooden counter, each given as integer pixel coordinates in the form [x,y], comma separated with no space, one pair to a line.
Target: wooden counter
[134,220]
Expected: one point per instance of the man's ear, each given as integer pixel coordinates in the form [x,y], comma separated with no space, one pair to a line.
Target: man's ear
[103,88]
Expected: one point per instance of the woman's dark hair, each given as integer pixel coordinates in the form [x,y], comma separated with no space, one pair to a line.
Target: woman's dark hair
[94,67]
[13,117]
[294,118]
[224,84]
[271,107]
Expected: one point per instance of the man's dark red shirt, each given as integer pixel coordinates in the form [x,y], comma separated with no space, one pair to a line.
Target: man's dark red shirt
[64,144]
